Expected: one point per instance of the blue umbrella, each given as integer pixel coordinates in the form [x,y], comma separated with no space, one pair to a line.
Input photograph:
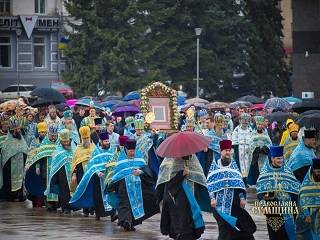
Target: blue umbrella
[181,100]
[111,103]
[88,103]
[292,100]
[122,104]
[134,95]
[109,98]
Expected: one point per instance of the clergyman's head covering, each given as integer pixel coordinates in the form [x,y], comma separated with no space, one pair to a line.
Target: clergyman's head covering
[225,144]
[122,140]
[84,132]
[130,144]
[67,114]
[276,151]
[103,136]
[65,135]
[42,127]
[53,129]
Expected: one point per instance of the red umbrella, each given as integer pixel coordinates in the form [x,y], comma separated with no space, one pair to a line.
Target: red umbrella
[183,144]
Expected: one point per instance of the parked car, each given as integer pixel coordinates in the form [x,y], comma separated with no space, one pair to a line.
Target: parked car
[11,92]
[63,88]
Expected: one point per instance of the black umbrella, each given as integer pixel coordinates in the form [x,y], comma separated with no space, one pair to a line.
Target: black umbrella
[43,102]
[49,94]
[310,120]
[252,99]
[306,105]
[279,117]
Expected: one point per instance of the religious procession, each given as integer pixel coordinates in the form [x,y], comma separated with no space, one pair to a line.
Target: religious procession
[154,154]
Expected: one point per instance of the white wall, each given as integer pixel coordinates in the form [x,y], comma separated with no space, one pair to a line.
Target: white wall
[26,7]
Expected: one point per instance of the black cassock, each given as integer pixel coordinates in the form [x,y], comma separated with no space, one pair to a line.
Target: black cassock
[300,173]
[6,193]
[125,216]
[60,185]
[176,215]
[244,223]
[281,233]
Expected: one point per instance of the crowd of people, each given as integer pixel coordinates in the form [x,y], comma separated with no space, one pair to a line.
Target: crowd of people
[85,159]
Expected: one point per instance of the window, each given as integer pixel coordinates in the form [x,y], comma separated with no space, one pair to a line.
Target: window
[11,89]
[5,6]
[39,52]
[5,52]
[39,6]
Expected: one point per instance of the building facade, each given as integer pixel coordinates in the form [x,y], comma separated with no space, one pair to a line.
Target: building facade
[306,47]
[30,32]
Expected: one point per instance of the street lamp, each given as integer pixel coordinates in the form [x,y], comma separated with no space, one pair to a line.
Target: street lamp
[18,33]
[198,33]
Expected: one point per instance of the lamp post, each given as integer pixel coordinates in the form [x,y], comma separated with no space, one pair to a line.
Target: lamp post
[18,33]
[198,33]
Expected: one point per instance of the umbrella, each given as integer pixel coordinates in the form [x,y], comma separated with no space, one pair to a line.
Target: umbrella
[110,103]
[241,104]
[88,103]
[197,100]
[48,94]
[310,120]
[277,103]
[135,102]
[71,102]
[108,98]
[306,105]
[126,109]
[279,117]
[62,107]
[181,100]
[183,144]
[218,105]
[121,104]
[258,106]
[252,99]
[134,95]
[309,112]
[43,102]
[292,100]
[197,106]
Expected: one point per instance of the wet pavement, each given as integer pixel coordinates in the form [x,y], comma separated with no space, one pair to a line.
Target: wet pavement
[20,221]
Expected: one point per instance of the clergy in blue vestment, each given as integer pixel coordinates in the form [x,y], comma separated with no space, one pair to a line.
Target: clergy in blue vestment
[228,197]
[308,221]
[67,122]
[60,171]
[277,186]
[90,191]
[301,158]
[133,183]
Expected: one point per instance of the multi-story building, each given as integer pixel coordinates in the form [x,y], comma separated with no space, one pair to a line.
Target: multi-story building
[30,32]
[306,47]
